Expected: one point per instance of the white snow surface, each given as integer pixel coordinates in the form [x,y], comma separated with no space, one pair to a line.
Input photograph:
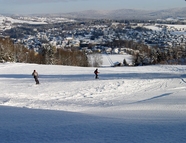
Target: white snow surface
[145,104]
[12,20]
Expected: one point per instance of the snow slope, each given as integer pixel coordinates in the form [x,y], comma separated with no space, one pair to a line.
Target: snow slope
[5,18]
[110,59]
[144,104]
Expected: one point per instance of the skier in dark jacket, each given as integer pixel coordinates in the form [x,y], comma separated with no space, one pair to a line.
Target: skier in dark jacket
[96,73]
[35,75]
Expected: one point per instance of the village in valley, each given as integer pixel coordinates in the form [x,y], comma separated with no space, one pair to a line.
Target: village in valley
[73,33]
[94,36]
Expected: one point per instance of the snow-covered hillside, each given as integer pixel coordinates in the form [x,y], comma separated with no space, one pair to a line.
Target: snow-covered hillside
[7,22]
[111,59]
[144,104]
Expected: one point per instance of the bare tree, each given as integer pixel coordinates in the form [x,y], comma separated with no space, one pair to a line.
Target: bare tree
[95,60]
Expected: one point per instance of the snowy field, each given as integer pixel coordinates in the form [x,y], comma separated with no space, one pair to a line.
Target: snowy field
[109,60]
[144,104]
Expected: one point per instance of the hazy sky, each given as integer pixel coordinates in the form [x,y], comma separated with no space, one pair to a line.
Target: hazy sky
[63,6]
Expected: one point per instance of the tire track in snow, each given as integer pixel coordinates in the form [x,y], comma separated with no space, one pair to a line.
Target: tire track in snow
[4,100]
[183,80]
[155,97]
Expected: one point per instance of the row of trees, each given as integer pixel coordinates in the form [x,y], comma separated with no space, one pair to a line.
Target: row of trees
[147,55]
[47,54]
[155,55]
[10,52]
[71,57]
[159,55]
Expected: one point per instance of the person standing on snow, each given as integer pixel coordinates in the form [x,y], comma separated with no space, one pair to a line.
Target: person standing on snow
[35,75]
[96,73]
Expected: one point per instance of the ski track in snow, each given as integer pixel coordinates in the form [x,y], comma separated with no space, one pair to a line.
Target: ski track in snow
[58,92]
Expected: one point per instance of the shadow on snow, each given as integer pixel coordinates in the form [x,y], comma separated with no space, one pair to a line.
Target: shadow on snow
[155,97]
[31,125]
[110,76]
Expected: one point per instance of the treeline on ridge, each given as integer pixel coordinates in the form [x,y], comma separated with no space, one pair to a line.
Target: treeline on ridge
[148,55]
[47,54]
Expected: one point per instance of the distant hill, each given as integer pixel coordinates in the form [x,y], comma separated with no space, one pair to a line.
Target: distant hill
[120,14]
[129,14]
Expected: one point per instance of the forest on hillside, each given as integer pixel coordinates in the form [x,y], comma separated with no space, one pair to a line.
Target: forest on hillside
[47,54]
[10,52]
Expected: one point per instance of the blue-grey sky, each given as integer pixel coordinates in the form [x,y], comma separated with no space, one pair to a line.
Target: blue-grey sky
[64,6]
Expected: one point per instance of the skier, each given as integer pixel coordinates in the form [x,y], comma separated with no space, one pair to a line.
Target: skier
[96,73]
[35,75]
